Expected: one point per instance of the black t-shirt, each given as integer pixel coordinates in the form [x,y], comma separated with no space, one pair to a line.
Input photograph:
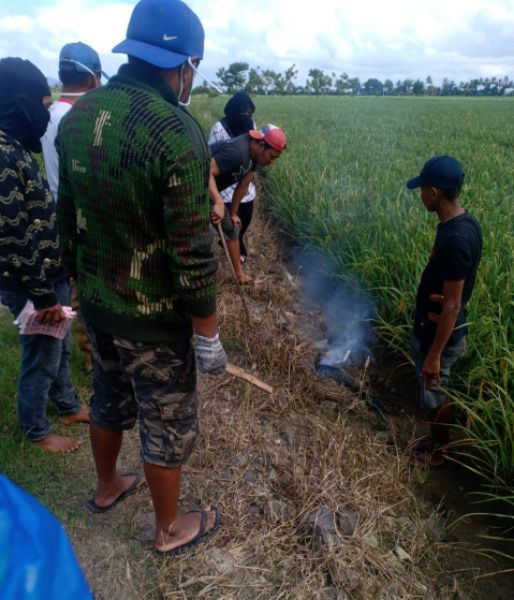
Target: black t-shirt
[233,160]
[455,257]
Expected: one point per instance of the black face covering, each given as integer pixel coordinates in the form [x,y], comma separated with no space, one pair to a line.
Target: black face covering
[22,114]
[238,123]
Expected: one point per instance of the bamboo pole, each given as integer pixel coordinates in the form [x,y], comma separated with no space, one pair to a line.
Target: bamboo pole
[242,374]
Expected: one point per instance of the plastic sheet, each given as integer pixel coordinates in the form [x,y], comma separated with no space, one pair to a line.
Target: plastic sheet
[36,558]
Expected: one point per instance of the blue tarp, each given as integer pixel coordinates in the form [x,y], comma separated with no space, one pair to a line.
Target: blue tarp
[36,558]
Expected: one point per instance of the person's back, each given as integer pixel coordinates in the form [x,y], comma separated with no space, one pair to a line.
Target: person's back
[133,162]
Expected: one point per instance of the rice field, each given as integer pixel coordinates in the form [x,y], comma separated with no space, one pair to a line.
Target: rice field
[340,187]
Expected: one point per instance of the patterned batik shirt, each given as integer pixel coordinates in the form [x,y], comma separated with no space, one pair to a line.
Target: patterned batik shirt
[29,241]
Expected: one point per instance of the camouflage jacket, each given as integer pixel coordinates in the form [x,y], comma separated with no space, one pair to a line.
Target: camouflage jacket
[29,242]
[133,208]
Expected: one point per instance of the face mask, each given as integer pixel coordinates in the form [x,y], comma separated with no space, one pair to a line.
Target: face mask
[195,72]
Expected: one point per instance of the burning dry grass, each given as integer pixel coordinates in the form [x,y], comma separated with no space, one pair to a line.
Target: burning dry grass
[315,505]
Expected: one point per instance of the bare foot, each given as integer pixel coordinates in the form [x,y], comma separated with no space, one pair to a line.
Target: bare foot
[106,496]
[81,417]
[58,443]
[183,530]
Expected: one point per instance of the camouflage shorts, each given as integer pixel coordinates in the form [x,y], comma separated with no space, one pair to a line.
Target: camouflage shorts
[156,381]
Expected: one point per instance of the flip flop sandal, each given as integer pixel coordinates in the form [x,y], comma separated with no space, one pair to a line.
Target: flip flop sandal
[132,489]
[200,537]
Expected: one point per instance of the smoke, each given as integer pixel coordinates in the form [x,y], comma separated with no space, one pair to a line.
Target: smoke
[347,310]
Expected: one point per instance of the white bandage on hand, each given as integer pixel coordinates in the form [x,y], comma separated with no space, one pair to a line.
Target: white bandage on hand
[210,355]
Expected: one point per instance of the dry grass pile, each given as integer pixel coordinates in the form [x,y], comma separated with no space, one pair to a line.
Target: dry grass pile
[315,504]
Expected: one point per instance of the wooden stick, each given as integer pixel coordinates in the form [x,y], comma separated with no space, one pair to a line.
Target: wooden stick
[233,271]
[242,374]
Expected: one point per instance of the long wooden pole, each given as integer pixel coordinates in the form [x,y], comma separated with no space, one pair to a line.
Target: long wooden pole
[242,374]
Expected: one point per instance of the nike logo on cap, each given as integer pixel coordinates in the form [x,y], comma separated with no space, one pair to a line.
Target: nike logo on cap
[169,38]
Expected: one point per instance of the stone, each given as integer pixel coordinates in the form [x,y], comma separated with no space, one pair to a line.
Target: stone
[402,554]
[288,434]
[272,475]
[280,511]
[322,528]
[435,528]
[328,408]
[347,520]
[219,560]
[371,539]
[241,460]
[228,474]
[255,511]
[251,477]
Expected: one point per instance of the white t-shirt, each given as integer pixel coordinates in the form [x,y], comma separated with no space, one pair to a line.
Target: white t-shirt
[57,112]
[219,134]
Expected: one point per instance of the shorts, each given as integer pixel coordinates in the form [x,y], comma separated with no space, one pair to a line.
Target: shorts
[431,399]
[156,382]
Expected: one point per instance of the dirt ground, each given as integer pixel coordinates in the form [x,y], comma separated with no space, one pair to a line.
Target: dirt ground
[316,497]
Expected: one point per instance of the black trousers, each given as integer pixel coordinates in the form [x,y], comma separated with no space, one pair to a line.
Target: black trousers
[245,213]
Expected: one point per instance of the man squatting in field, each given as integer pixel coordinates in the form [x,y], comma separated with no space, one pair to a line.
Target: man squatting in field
[31,267]
[235,162]
[238,120]
[439,335]
[80,70]
[134,216]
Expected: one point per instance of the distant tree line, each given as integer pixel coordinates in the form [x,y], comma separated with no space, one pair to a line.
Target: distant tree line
[240,76]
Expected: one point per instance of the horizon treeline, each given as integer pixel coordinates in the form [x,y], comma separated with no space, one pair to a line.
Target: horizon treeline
[239,76]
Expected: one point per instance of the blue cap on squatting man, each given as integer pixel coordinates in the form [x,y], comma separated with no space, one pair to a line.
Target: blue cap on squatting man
[439,172]
[80,58]
[163,33]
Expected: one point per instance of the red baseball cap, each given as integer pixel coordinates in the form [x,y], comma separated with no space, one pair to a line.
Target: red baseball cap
[272,135]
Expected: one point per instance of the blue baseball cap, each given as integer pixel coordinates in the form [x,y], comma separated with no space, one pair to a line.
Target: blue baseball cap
[163,33]
[80,58]
[439,172]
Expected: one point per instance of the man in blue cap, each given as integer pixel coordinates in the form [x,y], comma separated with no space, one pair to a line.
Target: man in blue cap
[134,217]
[439,336]
[80,70]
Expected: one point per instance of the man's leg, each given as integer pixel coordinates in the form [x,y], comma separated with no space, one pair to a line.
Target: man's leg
[164,380]
[172,529]
[41,355]
[440,410]
[113,409]
[231,233]
[235,259]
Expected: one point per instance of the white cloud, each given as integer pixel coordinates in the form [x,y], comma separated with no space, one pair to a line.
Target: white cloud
[396,39]
[17,23]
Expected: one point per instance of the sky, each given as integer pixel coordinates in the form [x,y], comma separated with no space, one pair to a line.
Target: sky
[397,39]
